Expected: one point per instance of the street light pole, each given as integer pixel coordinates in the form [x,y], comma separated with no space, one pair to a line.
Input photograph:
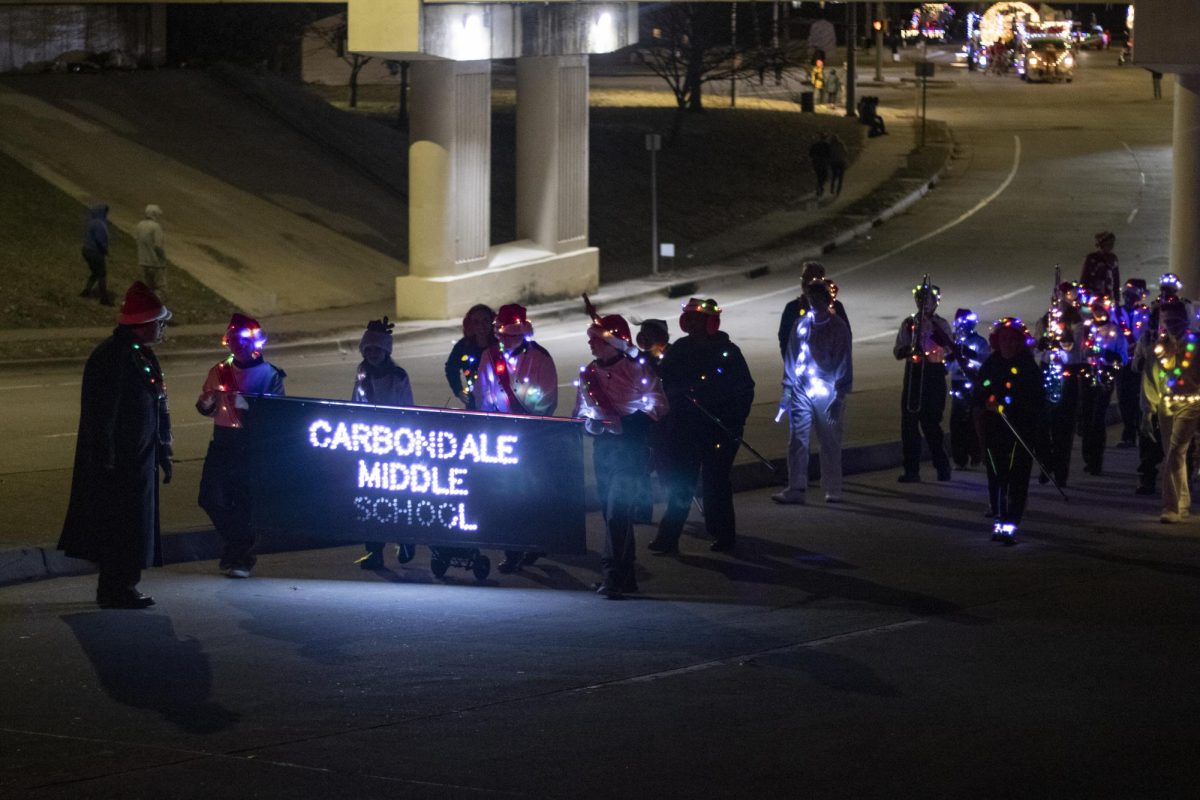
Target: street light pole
[653,144]
[851,76]
[878,25]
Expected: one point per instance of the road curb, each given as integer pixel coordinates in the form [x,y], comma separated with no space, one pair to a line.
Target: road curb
[41,562]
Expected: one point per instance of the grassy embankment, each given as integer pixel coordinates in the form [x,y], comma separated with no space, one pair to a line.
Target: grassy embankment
[42,271]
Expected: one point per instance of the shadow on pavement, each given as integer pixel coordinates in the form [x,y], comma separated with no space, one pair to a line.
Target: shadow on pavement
[143,664]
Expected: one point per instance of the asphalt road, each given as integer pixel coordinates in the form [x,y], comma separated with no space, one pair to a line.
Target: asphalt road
[882,648]
[1040,169]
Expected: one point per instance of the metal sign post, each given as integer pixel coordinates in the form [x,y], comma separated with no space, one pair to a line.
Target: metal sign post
[653,144]
[924,71]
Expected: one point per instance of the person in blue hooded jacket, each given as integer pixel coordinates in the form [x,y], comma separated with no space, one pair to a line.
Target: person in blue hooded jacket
[95,253]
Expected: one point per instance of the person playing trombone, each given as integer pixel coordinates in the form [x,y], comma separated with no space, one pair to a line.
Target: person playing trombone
[924,343]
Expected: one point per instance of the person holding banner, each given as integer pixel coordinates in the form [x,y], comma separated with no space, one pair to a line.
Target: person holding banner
[225,481]
[462,365]
[710,391]
[381,382]
[620,396]
[516,376]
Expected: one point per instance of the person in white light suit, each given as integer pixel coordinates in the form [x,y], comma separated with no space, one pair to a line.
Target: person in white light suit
[818,373]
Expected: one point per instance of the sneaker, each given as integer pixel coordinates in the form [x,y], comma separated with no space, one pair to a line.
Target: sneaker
[510,565]
[909,477]
[235,572]
[721,547]
[609,590]
[997,534]
[1169,517]
[789,498]
[127,598]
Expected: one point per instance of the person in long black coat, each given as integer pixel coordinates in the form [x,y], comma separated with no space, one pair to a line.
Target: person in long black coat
[124,438]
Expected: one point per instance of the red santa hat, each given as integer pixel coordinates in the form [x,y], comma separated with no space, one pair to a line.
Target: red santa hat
[141,305]
[614,330]
[242,325]
[511,320]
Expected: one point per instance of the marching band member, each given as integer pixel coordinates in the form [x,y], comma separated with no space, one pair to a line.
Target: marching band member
[924,343]
[1008,399]
[1106,352]
[381,382]
[1131,316]
[516,376]
[225,481]
[710,391]
[971,350]
[620,396]
[1101,273]
[1061,334]
[818,373]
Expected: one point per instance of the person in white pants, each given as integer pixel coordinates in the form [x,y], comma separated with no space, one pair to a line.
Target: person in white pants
[1172,389]
[817,375]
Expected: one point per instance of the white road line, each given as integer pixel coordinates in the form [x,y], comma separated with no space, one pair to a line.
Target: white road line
[1132,214]
[1143,178]
[1011,294]
[961,218]
[739,659]
[25,386]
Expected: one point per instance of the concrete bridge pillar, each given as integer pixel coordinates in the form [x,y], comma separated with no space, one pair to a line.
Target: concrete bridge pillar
[449,157]
[552,152]
[1185,193]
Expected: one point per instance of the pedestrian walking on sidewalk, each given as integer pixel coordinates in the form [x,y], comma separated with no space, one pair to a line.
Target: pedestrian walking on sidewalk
[225,481]
[818,373]
[462,365]
[710,392]
[381,382]
[839,158]
[124,440]
[95,255]
[620,397]
[1008,400]
[819,155]
[151,256]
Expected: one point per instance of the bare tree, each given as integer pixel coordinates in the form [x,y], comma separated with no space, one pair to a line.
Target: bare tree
[691,44]
[333,36]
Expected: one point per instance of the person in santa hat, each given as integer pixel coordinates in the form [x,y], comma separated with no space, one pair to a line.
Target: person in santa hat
[225,481]
[516,376]
[381,382]
[710,390]
[124,439]
[620,396]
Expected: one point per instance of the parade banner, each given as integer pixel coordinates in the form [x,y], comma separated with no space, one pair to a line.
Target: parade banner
[348,472]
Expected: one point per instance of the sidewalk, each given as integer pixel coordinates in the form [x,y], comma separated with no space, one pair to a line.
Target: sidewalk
[884,179]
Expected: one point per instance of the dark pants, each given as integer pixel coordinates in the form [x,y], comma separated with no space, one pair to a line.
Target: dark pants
[225,495]
[119,573]
[97,281]
[700,449]
[1150,455]
[1008,468]
[1129,394]
[620,465]
[1060,429]
[837,171]
[1093,413]
[964,440]
[922,404]
[822,172]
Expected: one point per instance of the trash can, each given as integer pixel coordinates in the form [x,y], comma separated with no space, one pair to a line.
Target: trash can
[806,103]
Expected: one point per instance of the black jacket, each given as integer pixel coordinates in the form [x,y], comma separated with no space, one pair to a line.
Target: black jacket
[1021,393]
[713,371]
[791,313]
[124,425]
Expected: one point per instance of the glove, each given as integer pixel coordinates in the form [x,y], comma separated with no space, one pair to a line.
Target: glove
[164,460]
